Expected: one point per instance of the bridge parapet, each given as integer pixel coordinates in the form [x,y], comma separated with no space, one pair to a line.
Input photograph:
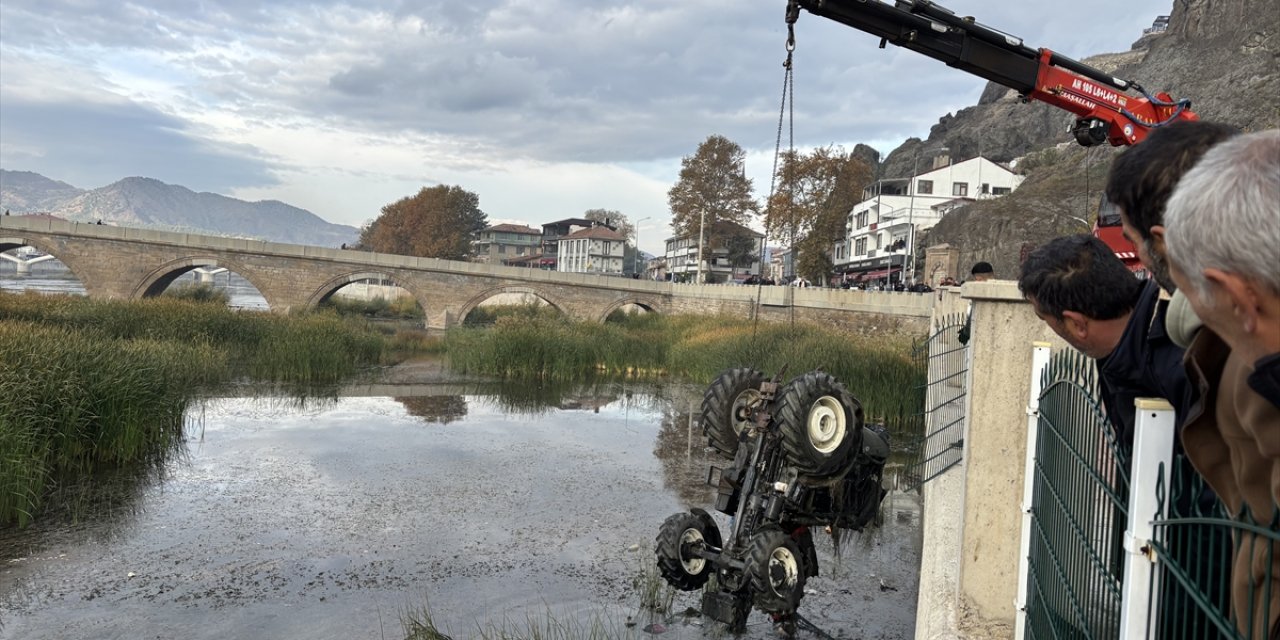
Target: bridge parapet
[127,262]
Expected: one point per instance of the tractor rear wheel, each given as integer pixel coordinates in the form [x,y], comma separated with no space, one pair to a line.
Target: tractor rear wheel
[727,407]
[821,424]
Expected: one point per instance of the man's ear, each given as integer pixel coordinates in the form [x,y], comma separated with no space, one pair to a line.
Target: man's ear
[1239,293]
[1157,238]
[1076,324]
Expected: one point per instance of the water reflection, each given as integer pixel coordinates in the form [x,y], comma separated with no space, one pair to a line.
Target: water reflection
[308,516]
[436,409]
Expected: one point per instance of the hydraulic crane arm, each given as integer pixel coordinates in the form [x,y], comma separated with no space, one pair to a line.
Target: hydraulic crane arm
[1105,112]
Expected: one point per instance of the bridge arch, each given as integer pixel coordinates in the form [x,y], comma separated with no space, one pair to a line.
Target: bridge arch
[331,286]
[470,305]
[159,279]
[8,243]
[643,303]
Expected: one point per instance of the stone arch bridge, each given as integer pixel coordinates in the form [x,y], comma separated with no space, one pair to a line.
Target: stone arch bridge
[129,263]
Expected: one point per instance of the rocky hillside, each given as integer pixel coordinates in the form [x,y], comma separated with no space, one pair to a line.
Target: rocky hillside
[148,203]
[1223,55]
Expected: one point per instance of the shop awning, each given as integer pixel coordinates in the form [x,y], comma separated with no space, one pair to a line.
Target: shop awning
[879,273]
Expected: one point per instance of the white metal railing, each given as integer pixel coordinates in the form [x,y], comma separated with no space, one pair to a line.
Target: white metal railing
[1152,451]
[1152,455]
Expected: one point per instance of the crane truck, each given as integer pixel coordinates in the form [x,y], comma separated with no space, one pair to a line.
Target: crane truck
[1106,109]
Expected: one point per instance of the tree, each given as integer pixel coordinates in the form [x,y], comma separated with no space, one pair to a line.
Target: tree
[741,250]
[615,219]
[713,187]
[439,222]
[815,193]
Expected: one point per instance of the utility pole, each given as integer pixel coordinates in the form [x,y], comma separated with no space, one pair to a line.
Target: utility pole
[702,228]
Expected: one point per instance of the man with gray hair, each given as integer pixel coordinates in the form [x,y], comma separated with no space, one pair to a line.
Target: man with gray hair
[1222,235]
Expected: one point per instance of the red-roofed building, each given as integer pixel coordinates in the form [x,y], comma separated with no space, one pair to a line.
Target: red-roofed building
[501,242]
[594,250]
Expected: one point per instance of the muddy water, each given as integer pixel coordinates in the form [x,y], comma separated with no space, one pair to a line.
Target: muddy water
[333,518]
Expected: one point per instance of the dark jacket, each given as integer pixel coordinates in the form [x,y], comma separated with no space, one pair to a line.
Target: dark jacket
[1265,379]
[1145,364]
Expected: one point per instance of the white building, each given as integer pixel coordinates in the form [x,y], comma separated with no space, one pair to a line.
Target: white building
[682,255]
[595,250]
[880,231]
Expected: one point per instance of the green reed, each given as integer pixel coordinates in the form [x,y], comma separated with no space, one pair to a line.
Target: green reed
[879,372]
[401,308]
[199,292]
[88,385]
[72,401]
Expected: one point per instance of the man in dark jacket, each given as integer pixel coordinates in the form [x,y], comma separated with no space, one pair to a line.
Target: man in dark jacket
[1087,296]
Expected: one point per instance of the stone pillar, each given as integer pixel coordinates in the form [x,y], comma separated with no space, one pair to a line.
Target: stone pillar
[1003,330]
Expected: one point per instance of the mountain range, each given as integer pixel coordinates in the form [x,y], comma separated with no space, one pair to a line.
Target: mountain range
[149,203]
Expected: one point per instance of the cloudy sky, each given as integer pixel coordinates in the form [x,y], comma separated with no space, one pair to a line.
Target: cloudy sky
[544,108]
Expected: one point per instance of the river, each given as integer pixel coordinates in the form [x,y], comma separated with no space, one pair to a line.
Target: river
[335,517]
[53,277]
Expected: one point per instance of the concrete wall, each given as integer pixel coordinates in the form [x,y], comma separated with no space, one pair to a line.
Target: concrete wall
[1004,329]
[972,514]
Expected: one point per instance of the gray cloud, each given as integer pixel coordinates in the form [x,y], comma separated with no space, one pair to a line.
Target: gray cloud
[557,80]
[92,145]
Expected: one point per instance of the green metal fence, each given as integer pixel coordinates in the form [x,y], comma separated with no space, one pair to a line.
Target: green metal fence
[1195,544]
[1075,561]
[941,420]
[1079,508]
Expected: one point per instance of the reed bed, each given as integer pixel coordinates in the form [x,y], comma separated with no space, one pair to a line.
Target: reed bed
[879,372]
[72,402]
[199,292]
[89,385]
[401,308]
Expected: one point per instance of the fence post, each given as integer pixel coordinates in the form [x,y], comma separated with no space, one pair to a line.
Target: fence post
[1152,451]
[1039,359]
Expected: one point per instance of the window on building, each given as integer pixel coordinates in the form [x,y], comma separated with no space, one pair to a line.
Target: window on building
[999,191]
[986,188]
[502,248]
[960,189]
[879,241]
[862,218]
[924,186]
[860,246]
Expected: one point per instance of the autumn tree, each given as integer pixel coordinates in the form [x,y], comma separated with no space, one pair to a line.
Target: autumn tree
[712,188]
[615,219]
[439,222]
[809,207]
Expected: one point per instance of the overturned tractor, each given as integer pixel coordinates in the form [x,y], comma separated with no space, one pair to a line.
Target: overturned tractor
[802,458]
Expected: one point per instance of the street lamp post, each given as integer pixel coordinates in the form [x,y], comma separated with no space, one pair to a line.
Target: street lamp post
[635,266]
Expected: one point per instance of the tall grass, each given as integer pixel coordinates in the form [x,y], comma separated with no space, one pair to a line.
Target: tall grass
[72,401]
[403,307]
[88,384]
[301,348]
[879,372]
[199,292]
